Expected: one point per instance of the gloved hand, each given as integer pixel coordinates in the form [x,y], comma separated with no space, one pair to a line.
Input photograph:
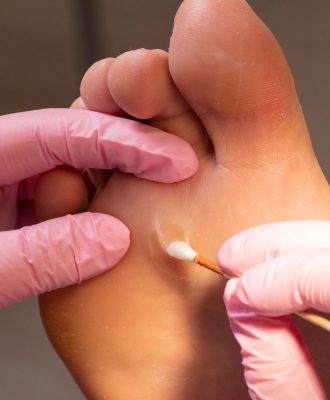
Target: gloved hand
[67,250]
[283,268]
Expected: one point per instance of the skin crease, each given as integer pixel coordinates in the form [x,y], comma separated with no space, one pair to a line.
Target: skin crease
[154,327]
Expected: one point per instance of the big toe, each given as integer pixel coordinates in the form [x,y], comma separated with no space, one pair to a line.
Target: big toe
[232,72]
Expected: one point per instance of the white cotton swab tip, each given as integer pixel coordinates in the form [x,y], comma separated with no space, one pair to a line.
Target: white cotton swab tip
[181,250]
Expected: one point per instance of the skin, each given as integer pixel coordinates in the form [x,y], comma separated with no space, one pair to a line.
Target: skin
[71,198]
[154,327]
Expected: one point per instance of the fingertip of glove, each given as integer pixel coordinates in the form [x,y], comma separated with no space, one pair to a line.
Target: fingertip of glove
[179,164]
[230,289]
[106,240]
[240,252]
[233,290]
[186,168]
[228,257]
[108,226]
[236,299]
[113,235]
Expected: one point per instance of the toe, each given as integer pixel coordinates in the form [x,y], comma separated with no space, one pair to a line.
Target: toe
[59,192]
[94,91]
[232,72]
[141,84]
[79,104]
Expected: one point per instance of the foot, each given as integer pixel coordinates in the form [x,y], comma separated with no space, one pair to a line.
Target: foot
[153,327]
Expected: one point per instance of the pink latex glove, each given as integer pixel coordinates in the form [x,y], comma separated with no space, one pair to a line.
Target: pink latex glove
[67,250]
[283,268]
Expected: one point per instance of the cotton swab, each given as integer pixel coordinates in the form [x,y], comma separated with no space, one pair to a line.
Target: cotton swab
[182,251]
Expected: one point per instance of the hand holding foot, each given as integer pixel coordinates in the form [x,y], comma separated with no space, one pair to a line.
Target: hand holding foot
[238,107]
[283,268]
[37,141]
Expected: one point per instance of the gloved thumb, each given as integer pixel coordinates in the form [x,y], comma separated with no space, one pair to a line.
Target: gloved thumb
[253,246]
[58,253]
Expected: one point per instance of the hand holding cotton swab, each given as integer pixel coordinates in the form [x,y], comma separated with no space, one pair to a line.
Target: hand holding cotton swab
[182,251]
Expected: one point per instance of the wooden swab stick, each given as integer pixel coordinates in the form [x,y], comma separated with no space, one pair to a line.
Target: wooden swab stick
[182,251]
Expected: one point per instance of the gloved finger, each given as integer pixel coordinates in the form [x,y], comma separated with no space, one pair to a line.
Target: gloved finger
[276,362]
[288,284]
[37,141]
[253,246]
[98,177]
[58,253]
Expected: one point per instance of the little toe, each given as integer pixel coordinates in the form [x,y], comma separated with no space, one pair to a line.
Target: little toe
[232,72]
